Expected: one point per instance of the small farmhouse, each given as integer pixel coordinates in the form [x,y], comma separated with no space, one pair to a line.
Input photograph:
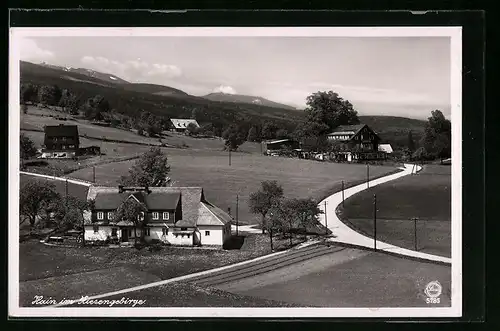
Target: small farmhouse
[180,125]
[174,215]
[355,142]
[61,141]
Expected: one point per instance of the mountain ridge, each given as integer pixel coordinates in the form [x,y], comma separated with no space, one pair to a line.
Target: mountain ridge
[242,98]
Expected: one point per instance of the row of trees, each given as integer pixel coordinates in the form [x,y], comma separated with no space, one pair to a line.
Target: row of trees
[39,200]
[280,215]
[435,142]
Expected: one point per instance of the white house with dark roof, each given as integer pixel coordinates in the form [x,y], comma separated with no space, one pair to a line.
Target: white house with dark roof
[174,215]
[180,125]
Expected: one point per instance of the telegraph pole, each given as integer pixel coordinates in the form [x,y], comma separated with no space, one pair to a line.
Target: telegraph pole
[415,219]
[375,221]
[66,189]
[229,155]
[342,194]
[237,215]
[326,221]
[367,175]
[93,172]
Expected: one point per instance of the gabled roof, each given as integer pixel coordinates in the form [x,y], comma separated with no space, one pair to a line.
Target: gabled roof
[183,123]
[212,215]
[61,130]
[153,200]
[276,141]
[385,148]
[159,198]
[347,129]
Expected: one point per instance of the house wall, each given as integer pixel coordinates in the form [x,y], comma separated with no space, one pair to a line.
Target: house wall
[218,234]
[156,233]
[103,232]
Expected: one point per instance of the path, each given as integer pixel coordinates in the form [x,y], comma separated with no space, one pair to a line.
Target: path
[73,181]
[344,234]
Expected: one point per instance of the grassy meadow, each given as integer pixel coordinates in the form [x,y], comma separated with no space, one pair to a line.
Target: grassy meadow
[426,195]
[223,182]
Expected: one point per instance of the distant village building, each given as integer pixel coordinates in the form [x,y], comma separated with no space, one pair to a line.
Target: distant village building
[276,146]
[180,125]
[356,142]
[386,148]
[175,215]
[61,141]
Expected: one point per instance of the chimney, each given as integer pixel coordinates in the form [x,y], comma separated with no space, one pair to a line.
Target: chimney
[120,188]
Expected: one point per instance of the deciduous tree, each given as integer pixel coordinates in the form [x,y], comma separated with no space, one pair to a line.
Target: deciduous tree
[411,142]
[234,137]
[306,211]
[149,170]
[269,130]
[192,129]
[253,134]
[267,197]
[34,196]
[437,136]
[27,147]
[69,212]
[134,212]
[330,109]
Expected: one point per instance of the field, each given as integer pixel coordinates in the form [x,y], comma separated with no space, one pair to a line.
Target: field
[223,182]
[37,118]
[426,195]
[54,271]
[372,280]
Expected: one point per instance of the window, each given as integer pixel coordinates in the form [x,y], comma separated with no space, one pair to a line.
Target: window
[130,232]
[110,215]
[100,215]
[166,215]
[147,232]
[55,139]
[63,146]
[207,233]
[140,217]
[156,215]
[113,232]
[96,228]
[165,231]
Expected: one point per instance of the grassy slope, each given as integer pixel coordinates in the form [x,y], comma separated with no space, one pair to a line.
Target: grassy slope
[394,130]
[426,196]
[221,182]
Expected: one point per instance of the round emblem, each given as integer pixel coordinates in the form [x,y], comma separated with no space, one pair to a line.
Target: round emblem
[433,289]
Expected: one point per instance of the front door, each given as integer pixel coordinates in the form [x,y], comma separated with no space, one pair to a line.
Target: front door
[124,235]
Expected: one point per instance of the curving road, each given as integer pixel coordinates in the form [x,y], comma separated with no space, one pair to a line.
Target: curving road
[345,235]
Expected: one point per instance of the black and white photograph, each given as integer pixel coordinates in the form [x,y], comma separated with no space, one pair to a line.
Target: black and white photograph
[235,172]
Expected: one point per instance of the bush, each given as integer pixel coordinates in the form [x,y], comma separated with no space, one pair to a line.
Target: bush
[139,245]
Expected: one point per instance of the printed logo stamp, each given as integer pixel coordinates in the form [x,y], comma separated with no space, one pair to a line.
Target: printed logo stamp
[433,290]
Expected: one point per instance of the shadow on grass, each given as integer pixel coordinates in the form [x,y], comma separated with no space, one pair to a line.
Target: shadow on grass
[235,242]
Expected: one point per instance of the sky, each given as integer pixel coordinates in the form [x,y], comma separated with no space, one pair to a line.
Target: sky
[397,76]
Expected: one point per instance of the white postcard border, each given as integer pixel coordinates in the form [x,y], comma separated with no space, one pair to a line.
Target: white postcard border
[455,34]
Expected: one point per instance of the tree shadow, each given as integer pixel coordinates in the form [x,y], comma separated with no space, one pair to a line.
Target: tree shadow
[235,242]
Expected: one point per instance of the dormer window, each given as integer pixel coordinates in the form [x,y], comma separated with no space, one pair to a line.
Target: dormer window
[166,215]
[156,215]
